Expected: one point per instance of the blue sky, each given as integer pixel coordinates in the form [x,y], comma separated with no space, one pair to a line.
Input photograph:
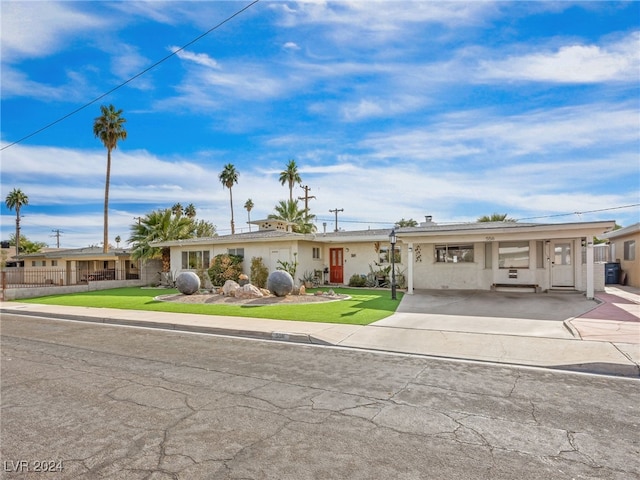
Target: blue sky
[391,110]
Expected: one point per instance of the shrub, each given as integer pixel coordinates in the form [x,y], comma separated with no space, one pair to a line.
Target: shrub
[225,267]
[357,280]
[259,272]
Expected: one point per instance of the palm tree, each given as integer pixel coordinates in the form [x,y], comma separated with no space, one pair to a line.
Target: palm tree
[228,177]
[288,211]
[190,210]
[16,199]
[290,176]
[495,217]
[406,223]
[159,226]
[203,229]
[177,209]
[109,128]
[248,205]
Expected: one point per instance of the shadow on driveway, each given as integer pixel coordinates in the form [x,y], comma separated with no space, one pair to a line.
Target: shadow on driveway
[558,306]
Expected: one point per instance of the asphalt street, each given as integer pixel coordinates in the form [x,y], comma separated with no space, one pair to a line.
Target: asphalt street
[93,401]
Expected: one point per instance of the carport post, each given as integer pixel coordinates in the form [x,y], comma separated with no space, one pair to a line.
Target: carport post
[590,288]
[410,268]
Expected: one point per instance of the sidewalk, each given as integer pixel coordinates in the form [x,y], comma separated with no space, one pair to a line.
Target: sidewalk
[604,340]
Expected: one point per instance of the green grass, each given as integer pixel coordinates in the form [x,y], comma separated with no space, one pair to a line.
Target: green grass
[364,306]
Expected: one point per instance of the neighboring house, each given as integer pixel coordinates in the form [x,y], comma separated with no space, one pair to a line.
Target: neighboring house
[7,254]
[476,256]
[623,244]
[78,266]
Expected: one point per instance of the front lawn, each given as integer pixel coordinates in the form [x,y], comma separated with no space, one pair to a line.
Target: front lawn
[364,306]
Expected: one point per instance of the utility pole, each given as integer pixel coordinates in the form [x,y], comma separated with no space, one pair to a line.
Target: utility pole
[306,197]
[57,235]
[138,218]
[336,212]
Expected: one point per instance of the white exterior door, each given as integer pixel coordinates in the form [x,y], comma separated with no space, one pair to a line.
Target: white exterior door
[562,260]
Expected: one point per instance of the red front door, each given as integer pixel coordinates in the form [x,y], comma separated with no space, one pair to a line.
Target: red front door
[336,266]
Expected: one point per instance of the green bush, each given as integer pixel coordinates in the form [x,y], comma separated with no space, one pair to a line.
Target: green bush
[357,280]
[259,272]
[225,267]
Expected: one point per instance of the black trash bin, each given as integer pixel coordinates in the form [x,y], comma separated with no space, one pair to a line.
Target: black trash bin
[611,273]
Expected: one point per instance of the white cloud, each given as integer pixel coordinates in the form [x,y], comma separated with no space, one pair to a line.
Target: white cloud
[575,63]
[199,58]
[487,134]
[291,46]
[34,30]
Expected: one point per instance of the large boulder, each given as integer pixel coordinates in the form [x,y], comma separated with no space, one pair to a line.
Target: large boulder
[229,288]
[248,291]
[188,283]
[280,283]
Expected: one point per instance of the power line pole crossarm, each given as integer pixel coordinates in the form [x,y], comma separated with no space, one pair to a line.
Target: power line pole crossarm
[57,232]
[306,197]
[336,212]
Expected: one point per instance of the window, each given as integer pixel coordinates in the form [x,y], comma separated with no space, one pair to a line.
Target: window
[454,253]
[197,259]
[562,254]
[630,250]
[513,254]
[316,253]
[54,263]
[383,255]
[236,251]
[38,263]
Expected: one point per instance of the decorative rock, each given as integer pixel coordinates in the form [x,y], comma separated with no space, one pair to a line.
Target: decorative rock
[243,280]
[207,283]
[280,283]
[188,283]
[265,292]
[229,288]
[303,290]
[249,291]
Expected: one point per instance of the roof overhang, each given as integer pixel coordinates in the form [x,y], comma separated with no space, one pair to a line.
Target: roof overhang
[622,232]
[478,232]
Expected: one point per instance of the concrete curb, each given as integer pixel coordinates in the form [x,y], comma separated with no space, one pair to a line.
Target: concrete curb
[270,335]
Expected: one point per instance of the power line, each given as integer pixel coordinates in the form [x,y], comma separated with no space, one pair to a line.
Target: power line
[581,213]
[100,97]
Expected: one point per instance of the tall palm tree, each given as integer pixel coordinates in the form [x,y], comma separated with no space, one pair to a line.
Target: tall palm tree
[228,177]
[16,199]
[248,205]
[288,211]
[109,128]
[291,176]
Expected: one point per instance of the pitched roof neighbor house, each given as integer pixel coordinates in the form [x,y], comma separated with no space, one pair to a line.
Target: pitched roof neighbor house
[475,256]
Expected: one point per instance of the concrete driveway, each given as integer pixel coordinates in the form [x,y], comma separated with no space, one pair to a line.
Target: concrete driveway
[507,313]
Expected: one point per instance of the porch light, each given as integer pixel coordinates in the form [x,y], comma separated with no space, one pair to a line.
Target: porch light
[392,241]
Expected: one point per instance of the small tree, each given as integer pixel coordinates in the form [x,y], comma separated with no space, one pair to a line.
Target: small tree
[259,272]
[225,267]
